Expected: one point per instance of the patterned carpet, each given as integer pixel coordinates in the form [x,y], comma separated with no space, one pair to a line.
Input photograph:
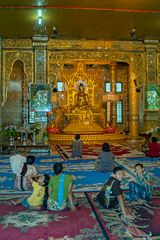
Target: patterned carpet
[85,176]
[17,223]
[89,222]
[146,225]
[93,150]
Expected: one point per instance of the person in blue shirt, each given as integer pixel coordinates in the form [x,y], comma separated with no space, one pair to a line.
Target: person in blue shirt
[141,189]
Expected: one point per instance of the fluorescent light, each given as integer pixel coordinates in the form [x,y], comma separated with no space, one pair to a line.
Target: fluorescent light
[40,20]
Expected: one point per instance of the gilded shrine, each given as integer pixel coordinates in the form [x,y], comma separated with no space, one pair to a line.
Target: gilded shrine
[81,106]
[100,86]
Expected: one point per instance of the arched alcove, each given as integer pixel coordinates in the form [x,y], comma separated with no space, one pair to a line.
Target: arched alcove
[13,107]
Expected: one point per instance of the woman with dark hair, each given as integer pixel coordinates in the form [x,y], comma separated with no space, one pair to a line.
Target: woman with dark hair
[105,159]
[77,147]
[60,190]
[21,181]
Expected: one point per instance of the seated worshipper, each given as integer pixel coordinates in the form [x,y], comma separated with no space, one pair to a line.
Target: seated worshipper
[141,188]
[60,190]
[21,182]
[77,147]
[17,161]
[111,196]
[154,148]
[36,200]
[105,159]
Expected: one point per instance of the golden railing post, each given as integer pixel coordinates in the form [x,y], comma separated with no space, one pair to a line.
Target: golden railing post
[133,105]
[113,80]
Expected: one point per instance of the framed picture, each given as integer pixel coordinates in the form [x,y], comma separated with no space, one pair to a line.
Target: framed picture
[152,97]
[41,98]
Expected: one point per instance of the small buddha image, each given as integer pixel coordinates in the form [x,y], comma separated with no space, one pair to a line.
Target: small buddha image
[81,98]
[152,99]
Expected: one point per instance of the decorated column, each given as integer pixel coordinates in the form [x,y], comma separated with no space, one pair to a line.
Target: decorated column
[113,80]
[40,44]
[151,60]
[133,102]
[151,46]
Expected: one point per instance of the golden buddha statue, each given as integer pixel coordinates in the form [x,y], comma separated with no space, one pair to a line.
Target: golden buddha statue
[81,98]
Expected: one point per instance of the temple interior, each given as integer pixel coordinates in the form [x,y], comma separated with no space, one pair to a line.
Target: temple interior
[88,67]
[103,80]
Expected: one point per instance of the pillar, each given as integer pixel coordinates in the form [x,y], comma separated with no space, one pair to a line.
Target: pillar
[40,44]
[151,46]
[133,103]
[113,80]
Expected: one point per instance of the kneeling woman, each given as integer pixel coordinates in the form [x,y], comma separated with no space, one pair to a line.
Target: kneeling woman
[60,190]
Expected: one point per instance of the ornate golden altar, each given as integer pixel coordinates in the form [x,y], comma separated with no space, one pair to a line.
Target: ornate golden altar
[78,108]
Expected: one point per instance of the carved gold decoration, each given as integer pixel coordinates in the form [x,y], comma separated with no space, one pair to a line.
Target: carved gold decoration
[9,57]
[151,59]
[54,57]
[78,101]
[87,138]
[100,45]
[17,43]
[40,65]
[101,54]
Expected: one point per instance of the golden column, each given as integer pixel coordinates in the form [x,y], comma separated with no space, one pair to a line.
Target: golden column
[113,81]
[133,104]
[40,45]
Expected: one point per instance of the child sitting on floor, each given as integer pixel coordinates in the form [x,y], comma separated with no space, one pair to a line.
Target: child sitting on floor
[36,200]
[141,189]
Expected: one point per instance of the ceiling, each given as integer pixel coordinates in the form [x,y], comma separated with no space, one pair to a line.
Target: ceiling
[82,19]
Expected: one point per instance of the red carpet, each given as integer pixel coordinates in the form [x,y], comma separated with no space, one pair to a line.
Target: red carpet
[94,149]
[17,223]
[87,223]
[145,226]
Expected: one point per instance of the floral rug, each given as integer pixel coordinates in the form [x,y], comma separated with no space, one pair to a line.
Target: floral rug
[93,150]
[146,225]
[17,223]
[88,222]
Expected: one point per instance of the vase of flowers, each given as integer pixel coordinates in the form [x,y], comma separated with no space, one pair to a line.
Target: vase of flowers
[11,132]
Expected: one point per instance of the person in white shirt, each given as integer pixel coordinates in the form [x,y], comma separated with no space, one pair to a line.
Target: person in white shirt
[17,161]
[21,182]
